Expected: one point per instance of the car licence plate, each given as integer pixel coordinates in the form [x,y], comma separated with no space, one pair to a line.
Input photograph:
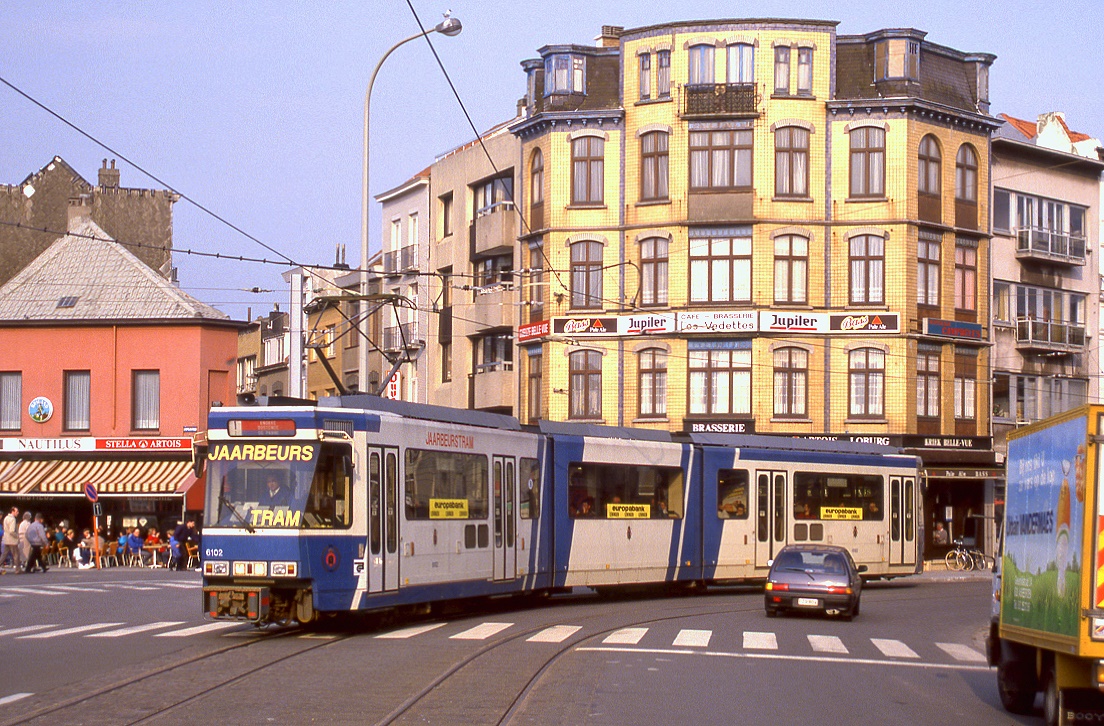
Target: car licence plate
[810,602]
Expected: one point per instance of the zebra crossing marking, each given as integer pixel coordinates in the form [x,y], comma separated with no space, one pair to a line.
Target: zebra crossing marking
[13,698]
[198,629]
[692,639]
[893,648]
[555,634]
[409,632]
[26,629]
[961,652]
[481,632]
[68,631]
[625,636]
[826,644]
[760,641]
[137,629]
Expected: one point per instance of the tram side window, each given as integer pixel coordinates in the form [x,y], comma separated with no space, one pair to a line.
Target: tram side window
[732,494]
[614,491]
[529,478]
[328,504]
[445,485]
[839,496]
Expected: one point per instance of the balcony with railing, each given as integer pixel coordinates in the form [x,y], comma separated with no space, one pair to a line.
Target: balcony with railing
[495,228]
[1049,336]
[494,305]
[404,259]
[1046,245]
[720,100]
[494,385]
[400,337]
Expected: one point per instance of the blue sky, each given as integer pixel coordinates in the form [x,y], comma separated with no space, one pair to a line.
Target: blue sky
[257,113]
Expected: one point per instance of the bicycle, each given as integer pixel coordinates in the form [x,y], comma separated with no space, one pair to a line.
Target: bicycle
[979,560]
[959,558]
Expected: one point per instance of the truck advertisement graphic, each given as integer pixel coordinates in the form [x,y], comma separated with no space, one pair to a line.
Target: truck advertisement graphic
[1044,527]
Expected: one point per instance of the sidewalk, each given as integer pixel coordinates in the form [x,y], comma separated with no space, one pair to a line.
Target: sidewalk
[936,571]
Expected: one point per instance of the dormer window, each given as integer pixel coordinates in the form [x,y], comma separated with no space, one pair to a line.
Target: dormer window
[68,301]
[897,58]
[564,73]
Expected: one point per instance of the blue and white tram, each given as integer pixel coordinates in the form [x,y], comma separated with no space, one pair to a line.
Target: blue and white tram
[375,504]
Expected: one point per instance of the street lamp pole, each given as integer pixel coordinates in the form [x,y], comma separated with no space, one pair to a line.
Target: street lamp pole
[449,26]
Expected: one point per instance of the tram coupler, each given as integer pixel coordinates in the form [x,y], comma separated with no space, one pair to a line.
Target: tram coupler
[250,604]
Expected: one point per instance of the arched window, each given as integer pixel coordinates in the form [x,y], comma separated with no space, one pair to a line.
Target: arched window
[791,269]
[930,166]
[586,274]
[536,178]
[653,271]
[585,396]
[791,162]
[868,162]
[653,166]
[867,258]
[866,377]
[652,372]
[700,65]
[791,376]
[741,63]
[966,169]
[587,170]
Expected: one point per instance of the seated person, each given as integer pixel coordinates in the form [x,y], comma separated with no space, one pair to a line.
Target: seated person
[88,547]
[277,494]
[134,543]
[586,508]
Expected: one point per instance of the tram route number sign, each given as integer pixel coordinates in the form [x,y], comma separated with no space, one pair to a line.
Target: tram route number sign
[91,493]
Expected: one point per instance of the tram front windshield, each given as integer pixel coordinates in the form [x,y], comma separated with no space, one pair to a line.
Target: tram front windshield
[290,485]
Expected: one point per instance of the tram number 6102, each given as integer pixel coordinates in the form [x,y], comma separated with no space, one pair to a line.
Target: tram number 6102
[212,552]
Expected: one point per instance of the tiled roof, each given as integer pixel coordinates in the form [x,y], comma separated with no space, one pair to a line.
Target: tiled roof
[86,275]
[1027,128]
[1074,136]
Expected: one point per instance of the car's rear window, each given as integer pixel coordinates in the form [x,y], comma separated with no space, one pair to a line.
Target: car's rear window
[830,562]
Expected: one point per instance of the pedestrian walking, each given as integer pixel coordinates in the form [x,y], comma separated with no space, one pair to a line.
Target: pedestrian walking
[10,541]
[24,548]
[36,540]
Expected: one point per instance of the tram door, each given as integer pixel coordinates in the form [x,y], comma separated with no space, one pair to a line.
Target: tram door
[504,483]
[771,517]
[383,519]
[902,520]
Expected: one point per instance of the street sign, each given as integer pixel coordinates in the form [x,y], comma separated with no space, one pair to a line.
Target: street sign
[97,509]
[90,492]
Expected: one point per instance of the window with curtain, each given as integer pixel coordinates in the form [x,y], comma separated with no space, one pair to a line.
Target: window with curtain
[741,63]
[588,171]
[965,277]
[867,162]
[536,178]
[663,74]
[866,376]
[927,383]
[653,166]
[652,370]
[805,71]
[11,400]
[720,382]
[929,167]
[585,372]
[782,70]
[965,398]
[791,269]
[720,269]
[928,254]
[146,402]
[867,258]
[533,388]
[700,65]
[966,171]
[586,274]
[645,76]
[653,269]
[791,376]
[720,160]
[78,402]
[791,162]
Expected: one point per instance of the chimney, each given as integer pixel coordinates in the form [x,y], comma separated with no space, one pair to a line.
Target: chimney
[80,210]
[109,177]
[610,36]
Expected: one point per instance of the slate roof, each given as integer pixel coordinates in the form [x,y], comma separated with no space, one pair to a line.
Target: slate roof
[86,275]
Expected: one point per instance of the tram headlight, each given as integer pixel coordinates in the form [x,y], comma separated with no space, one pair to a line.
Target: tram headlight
[218,568]
[285,569]
[250,569]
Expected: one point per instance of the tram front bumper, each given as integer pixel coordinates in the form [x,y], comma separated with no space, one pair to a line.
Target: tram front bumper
[237,603]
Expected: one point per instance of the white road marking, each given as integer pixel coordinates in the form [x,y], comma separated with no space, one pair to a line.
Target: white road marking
[409,632]
[13,698]
[481,632]
[25,629]
[760,641]
[625,636]
[827,644]
[199,629]
[68,631]
[555,634]
[798,658]
[893,648]
[36,591]
[692,639]
[73,588]
[136,629]
[135,587]
[961,652]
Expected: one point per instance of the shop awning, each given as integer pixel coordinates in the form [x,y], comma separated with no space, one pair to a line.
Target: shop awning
[111,478]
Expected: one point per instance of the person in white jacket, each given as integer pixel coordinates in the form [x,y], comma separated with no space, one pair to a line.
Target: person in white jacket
[10,541]
[24,547]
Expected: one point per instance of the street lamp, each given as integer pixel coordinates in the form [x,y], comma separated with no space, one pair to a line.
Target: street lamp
[450,26]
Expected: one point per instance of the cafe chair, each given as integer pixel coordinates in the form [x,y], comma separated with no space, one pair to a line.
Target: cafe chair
[193,555]
[63,557]
[110,556]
